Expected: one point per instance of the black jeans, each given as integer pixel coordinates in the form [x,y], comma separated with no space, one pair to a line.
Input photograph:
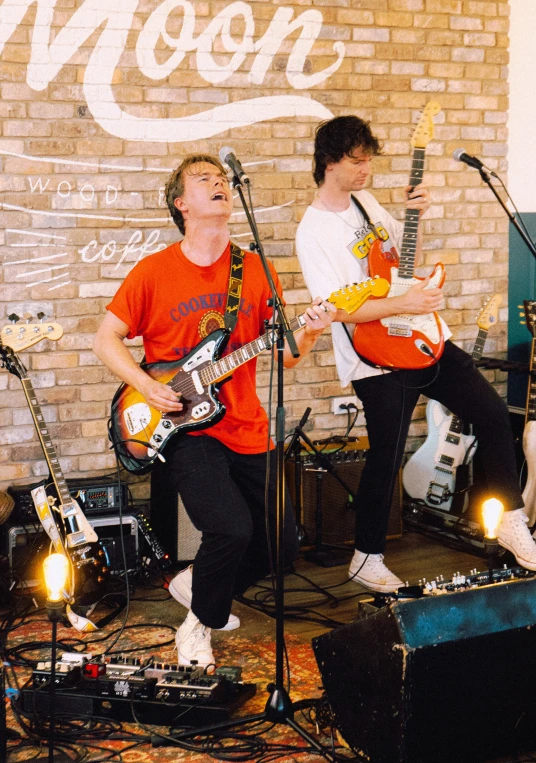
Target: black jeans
[389,402]
[224,495]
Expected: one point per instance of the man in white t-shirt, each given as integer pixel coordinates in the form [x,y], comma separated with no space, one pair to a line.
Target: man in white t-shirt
[333,242]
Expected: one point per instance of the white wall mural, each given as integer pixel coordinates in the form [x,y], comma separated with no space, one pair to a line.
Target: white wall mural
[47,59]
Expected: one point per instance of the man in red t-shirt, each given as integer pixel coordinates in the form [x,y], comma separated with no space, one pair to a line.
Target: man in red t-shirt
[174,299]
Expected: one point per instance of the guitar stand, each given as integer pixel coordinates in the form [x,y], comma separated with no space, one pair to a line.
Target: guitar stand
[323,554]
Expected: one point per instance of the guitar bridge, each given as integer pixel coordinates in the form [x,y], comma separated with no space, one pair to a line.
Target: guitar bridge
[437,493]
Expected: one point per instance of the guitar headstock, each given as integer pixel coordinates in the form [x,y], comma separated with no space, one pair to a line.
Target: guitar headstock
[20,336]
[529,306]
[424,132]
[489,313]
[350,297]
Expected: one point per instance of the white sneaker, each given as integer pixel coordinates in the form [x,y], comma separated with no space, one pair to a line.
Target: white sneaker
[370,571]
[515,536]
[193,642]
[181,590]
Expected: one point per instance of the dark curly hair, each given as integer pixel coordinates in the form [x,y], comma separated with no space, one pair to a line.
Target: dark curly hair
[175,184]
[338,138]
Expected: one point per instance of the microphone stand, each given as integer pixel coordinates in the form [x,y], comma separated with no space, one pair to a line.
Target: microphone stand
[485,174]
[278,708]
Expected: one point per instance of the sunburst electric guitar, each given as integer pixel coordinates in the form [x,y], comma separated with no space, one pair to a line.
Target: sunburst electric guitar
[430,474]
[529,431]
[404,341]
[139,432]
[60,515]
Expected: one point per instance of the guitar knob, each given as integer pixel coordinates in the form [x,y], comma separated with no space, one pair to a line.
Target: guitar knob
[166,424]
[157,438]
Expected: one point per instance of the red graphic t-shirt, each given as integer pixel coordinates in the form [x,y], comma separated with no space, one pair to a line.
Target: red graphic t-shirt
[173,304]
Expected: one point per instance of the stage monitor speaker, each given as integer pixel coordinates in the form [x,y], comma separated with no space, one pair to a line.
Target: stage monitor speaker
[172,525]
[338,516]
[441,679]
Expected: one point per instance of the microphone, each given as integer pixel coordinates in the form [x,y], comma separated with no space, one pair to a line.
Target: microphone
[461,156]
[227,156]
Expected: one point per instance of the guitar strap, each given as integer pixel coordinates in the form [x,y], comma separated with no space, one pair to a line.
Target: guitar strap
[234,291]
[367,217]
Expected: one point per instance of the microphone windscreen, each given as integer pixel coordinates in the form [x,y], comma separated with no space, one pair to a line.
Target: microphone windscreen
[224,153]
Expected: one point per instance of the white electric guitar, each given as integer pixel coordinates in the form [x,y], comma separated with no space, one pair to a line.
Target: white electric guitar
[430,474]
[529,432]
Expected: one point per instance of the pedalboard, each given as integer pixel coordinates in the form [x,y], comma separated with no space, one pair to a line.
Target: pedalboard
[129,689]
[440,586]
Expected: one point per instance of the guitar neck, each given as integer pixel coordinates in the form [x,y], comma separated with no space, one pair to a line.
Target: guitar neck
[223,367]
[46,443]
[411,223]
[530,411]
[456,425]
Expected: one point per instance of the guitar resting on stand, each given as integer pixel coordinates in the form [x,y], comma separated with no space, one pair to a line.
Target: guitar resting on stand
[430,473]
[60,515]
[529,431]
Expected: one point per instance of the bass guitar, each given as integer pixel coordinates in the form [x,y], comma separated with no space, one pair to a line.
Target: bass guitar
[139,432]
[529,431]
[60,515]
[404,341]
[429,475]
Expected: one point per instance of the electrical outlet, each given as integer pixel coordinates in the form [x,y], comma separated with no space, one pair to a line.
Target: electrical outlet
[338,401]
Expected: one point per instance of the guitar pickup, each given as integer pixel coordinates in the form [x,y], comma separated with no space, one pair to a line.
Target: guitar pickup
[201,410]
[399,331]
[452,438]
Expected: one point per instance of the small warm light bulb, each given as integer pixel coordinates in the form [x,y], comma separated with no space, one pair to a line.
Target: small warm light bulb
[56,570]
[492,511]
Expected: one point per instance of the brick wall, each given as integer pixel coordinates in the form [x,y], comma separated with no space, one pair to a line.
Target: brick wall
[98,105]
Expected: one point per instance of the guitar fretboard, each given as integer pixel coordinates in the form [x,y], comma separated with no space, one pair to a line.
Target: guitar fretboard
[530,412]
[223,367]
[411,223]
[457,424]
[46,442]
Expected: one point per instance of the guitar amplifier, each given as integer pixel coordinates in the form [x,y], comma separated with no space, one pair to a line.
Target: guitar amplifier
[96,495]
[26,547]
[171,523]
[338,515]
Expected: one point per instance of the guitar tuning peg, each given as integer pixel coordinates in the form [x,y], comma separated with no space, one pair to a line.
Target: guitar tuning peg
[27,317]
[13,318]
[40,316]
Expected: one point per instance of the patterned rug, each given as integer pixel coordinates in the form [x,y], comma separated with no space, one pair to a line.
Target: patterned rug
[253,652]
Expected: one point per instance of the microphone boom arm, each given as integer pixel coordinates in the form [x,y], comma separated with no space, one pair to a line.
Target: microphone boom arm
[485,175]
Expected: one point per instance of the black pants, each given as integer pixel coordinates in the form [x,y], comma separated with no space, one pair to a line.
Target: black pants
[389,402]
[224,495]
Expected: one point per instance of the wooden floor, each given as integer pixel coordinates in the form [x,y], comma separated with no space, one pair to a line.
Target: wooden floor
[412,557]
